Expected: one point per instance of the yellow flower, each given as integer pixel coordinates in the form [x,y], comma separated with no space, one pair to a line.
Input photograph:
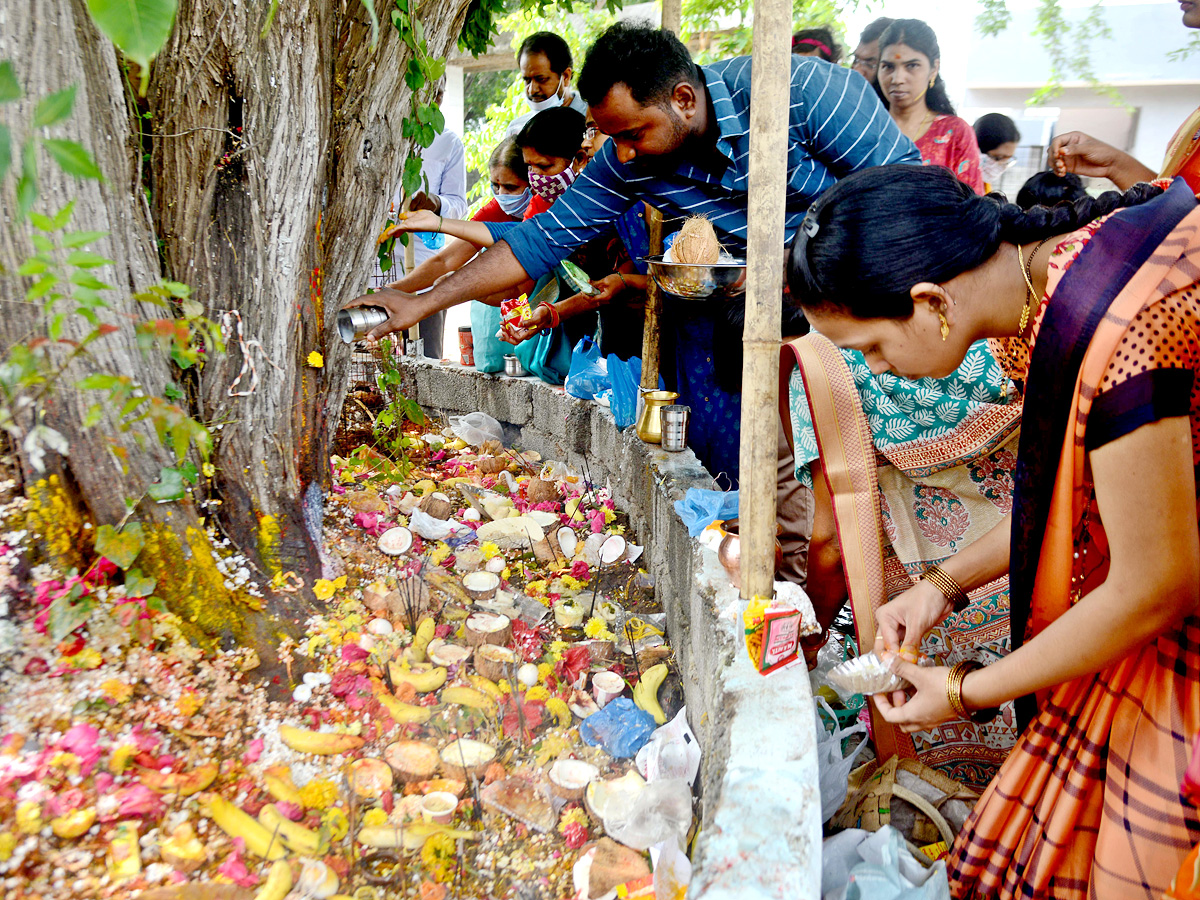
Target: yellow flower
[438,854]
[535,588]
[506,573]
[505,687]
[545,670]
[572,816]
[489,549]
[375,816]
[29,817]
[316,360]
[189,704]
[8,843]
[337,823]
[66,761]
[597,629]
[571,584]
[120,758]
[617,529]
[87,658]
[318,794]
[537,692]
[556,649]
[609,515]
[208,469]
[439,553]
[323,588]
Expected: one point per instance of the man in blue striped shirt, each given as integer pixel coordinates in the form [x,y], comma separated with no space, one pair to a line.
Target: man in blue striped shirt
[681,142]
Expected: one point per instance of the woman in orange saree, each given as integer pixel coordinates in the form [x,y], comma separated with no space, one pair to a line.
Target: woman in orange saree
[1099,313]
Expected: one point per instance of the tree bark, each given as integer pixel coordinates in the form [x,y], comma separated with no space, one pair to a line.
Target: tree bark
[272,162]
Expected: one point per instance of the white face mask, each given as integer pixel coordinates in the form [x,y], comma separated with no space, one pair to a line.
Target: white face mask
[993,169]
[555,99]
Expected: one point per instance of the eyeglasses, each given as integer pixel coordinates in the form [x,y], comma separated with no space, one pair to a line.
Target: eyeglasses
[864,62]
[1002,164]
[590,133]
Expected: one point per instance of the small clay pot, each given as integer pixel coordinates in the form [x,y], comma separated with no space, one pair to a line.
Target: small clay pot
[729,552]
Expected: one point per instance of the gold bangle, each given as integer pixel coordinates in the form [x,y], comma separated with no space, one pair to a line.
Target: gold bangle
[954,685]
[947,586]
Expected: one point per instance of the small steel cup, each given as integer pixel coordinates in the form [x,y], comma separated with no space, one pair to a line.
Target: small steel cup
[513,367]
[675,426]
[353,324]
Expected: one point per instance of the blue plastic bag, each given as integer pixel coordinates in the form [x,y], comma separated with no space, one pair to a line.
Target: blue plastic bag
[589,370]
[489,349]
[621,728]
[699,508]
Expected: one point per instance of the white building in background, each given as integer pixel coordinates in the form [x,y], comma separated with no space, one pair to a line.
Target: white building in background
[1002,73]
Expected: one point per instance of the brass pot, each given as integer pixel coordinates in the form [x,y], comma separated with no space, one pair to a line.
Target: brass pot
[729,551]
[649,425]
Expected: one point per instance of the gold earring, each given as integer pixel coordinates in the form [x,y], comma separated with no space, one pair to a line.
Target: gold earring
[931,81]
[945,326]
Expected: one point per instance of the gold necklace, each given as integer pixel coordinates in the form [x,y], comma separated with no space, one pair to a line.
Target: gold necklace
[1030,293]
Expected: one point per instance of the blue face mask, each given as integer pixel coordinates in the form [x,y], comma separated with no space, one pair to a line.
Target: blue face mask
[513,204]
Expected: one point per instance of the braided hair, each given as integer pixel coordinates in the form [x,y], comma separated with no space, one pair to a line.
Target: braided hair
[873,235]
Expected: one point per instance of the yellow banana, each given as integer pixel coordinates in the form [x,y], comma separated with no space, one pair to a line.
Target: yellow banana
[297,838]
[303,740]
[486,685]
[183,783]
[425,633]
[401,713]
[410,836]
[278,781]
[645,692]
[73,824]
[561,711]
[470,697]
[278,884]
[236,823]
[423,679]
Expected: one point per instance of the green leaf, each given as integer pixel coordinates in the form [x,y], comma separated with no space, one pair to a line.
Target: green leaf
[32,266]
[73,159]
[42,287]
[66,615]
[94,414]
[80,238]
[41,222]
[27,184]
[369,6]
[86,279]
[156,604]
[5,151]
[53,108]
[266,29]
[189,472]
[10,88]
[86,259]
[42,243]
[412,175]
[122,547]
[63,216]
[138,585]
[98,382]
[138,27]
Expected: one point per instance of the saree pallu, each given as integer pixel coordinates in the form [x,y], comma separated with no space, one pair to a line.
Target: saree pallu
[1088,804]
[930,474]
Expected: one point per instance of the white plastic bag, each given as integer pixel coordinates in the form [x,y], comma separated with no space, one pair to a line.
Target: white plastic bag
[860,865]
[673,752]
[656,813]
[834,770]
[476,427]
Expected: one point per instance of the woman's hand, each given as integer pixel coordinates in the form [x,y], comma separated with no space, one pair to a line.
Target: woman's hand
[1082,154]
[421,220]
[902,624]
[922,710]
[538,321]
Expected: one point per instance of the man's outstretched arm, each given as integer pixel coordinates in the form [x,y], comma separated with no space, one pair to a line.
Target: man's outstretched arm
[486,274]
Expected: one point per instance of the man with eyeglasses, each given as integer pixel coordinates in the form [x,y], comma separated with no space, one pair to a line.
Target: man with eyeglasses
[866,54]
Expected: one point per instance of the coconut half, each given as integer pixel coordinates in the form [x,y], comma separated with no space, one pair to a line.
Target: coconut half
[567,541]
[612,549]
[396,540]
[570,777]
[446,654]
[465,757]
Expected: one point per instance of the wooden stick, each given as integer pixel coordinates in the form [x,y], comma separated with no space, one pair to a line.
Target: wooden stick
[652,330]
[672,13]
[769,86]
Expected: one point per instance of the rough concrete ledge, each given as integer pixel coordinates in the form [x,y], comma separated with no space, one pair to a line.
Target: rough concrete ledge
[760,802]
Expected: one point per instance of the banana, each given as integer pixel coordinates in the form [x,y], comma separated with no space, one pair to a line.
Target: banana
[183,783]
[470,697]
[297,838]
[423,679]
[236,823]
[425,633]
[486,685]
[317,880]
[561,711]
[278,781]
[401,713]
[645,692]
[278,884]
[73,824]
[302,740]
[410,836]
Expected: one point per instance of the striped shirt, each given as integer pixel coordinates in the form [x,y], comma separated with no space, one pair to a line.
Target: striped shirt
[836,126]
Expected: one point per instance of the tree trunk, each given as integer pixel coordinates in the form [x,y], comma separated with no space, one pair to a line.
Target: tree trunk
[272,162]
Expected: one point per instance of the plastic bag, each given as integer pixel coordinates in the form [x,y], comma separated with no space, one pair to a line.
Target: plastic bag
[673,752]
[589,370]
[476,427]
[699,508]
[489,350]
[620,728]
[860,865]
[656,813]
[625,378]
[833,769]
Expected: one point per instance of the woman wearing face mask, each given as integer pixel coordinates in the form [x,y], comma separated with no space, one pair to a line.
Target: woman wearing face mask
[915,95]
[997,137]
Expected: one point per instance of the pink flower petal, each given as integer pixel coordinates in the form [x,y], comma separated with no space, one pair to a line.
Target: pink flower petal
[253,751]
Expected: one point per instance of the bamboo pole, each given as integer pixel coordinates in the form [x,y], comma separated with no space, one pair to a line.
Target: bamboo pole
[771,95]
[672,13]
[652,330]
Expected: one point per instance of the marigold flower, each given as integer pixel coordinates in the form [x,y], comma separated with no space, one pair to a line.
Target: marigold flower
[316,360]
[318,793]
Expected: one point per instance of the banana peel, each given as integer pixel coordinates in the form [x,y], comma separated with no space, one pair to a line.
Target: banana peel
[423,678]
[411,836]
[486,685]
[645,692]
[425,633]
[279,784]
[237,823]
[278,884]
[183,783]
[401,713]
[469,697]
[297,838]
[304,740]
[73,824]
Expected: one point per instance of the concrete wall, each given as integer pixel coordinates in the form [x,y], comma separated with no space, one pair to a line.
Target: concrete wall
[759,801]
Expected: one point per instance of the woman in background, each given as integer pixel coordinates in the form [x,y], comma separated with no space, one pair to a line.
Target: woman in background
[915,95]
[997,137]
[818,42]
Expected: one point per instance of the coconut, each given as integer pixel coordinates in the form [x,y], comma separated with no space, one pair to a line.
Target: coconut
[696,243]
[369,778]
[539,491]
[465,758]
[438,506]
[543,551]
[491,465]
[492,661]
[612,549]
[412,760]
[481,585]
[487,628]
[567,540]
[569,778]
[444,653]
[395,541]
